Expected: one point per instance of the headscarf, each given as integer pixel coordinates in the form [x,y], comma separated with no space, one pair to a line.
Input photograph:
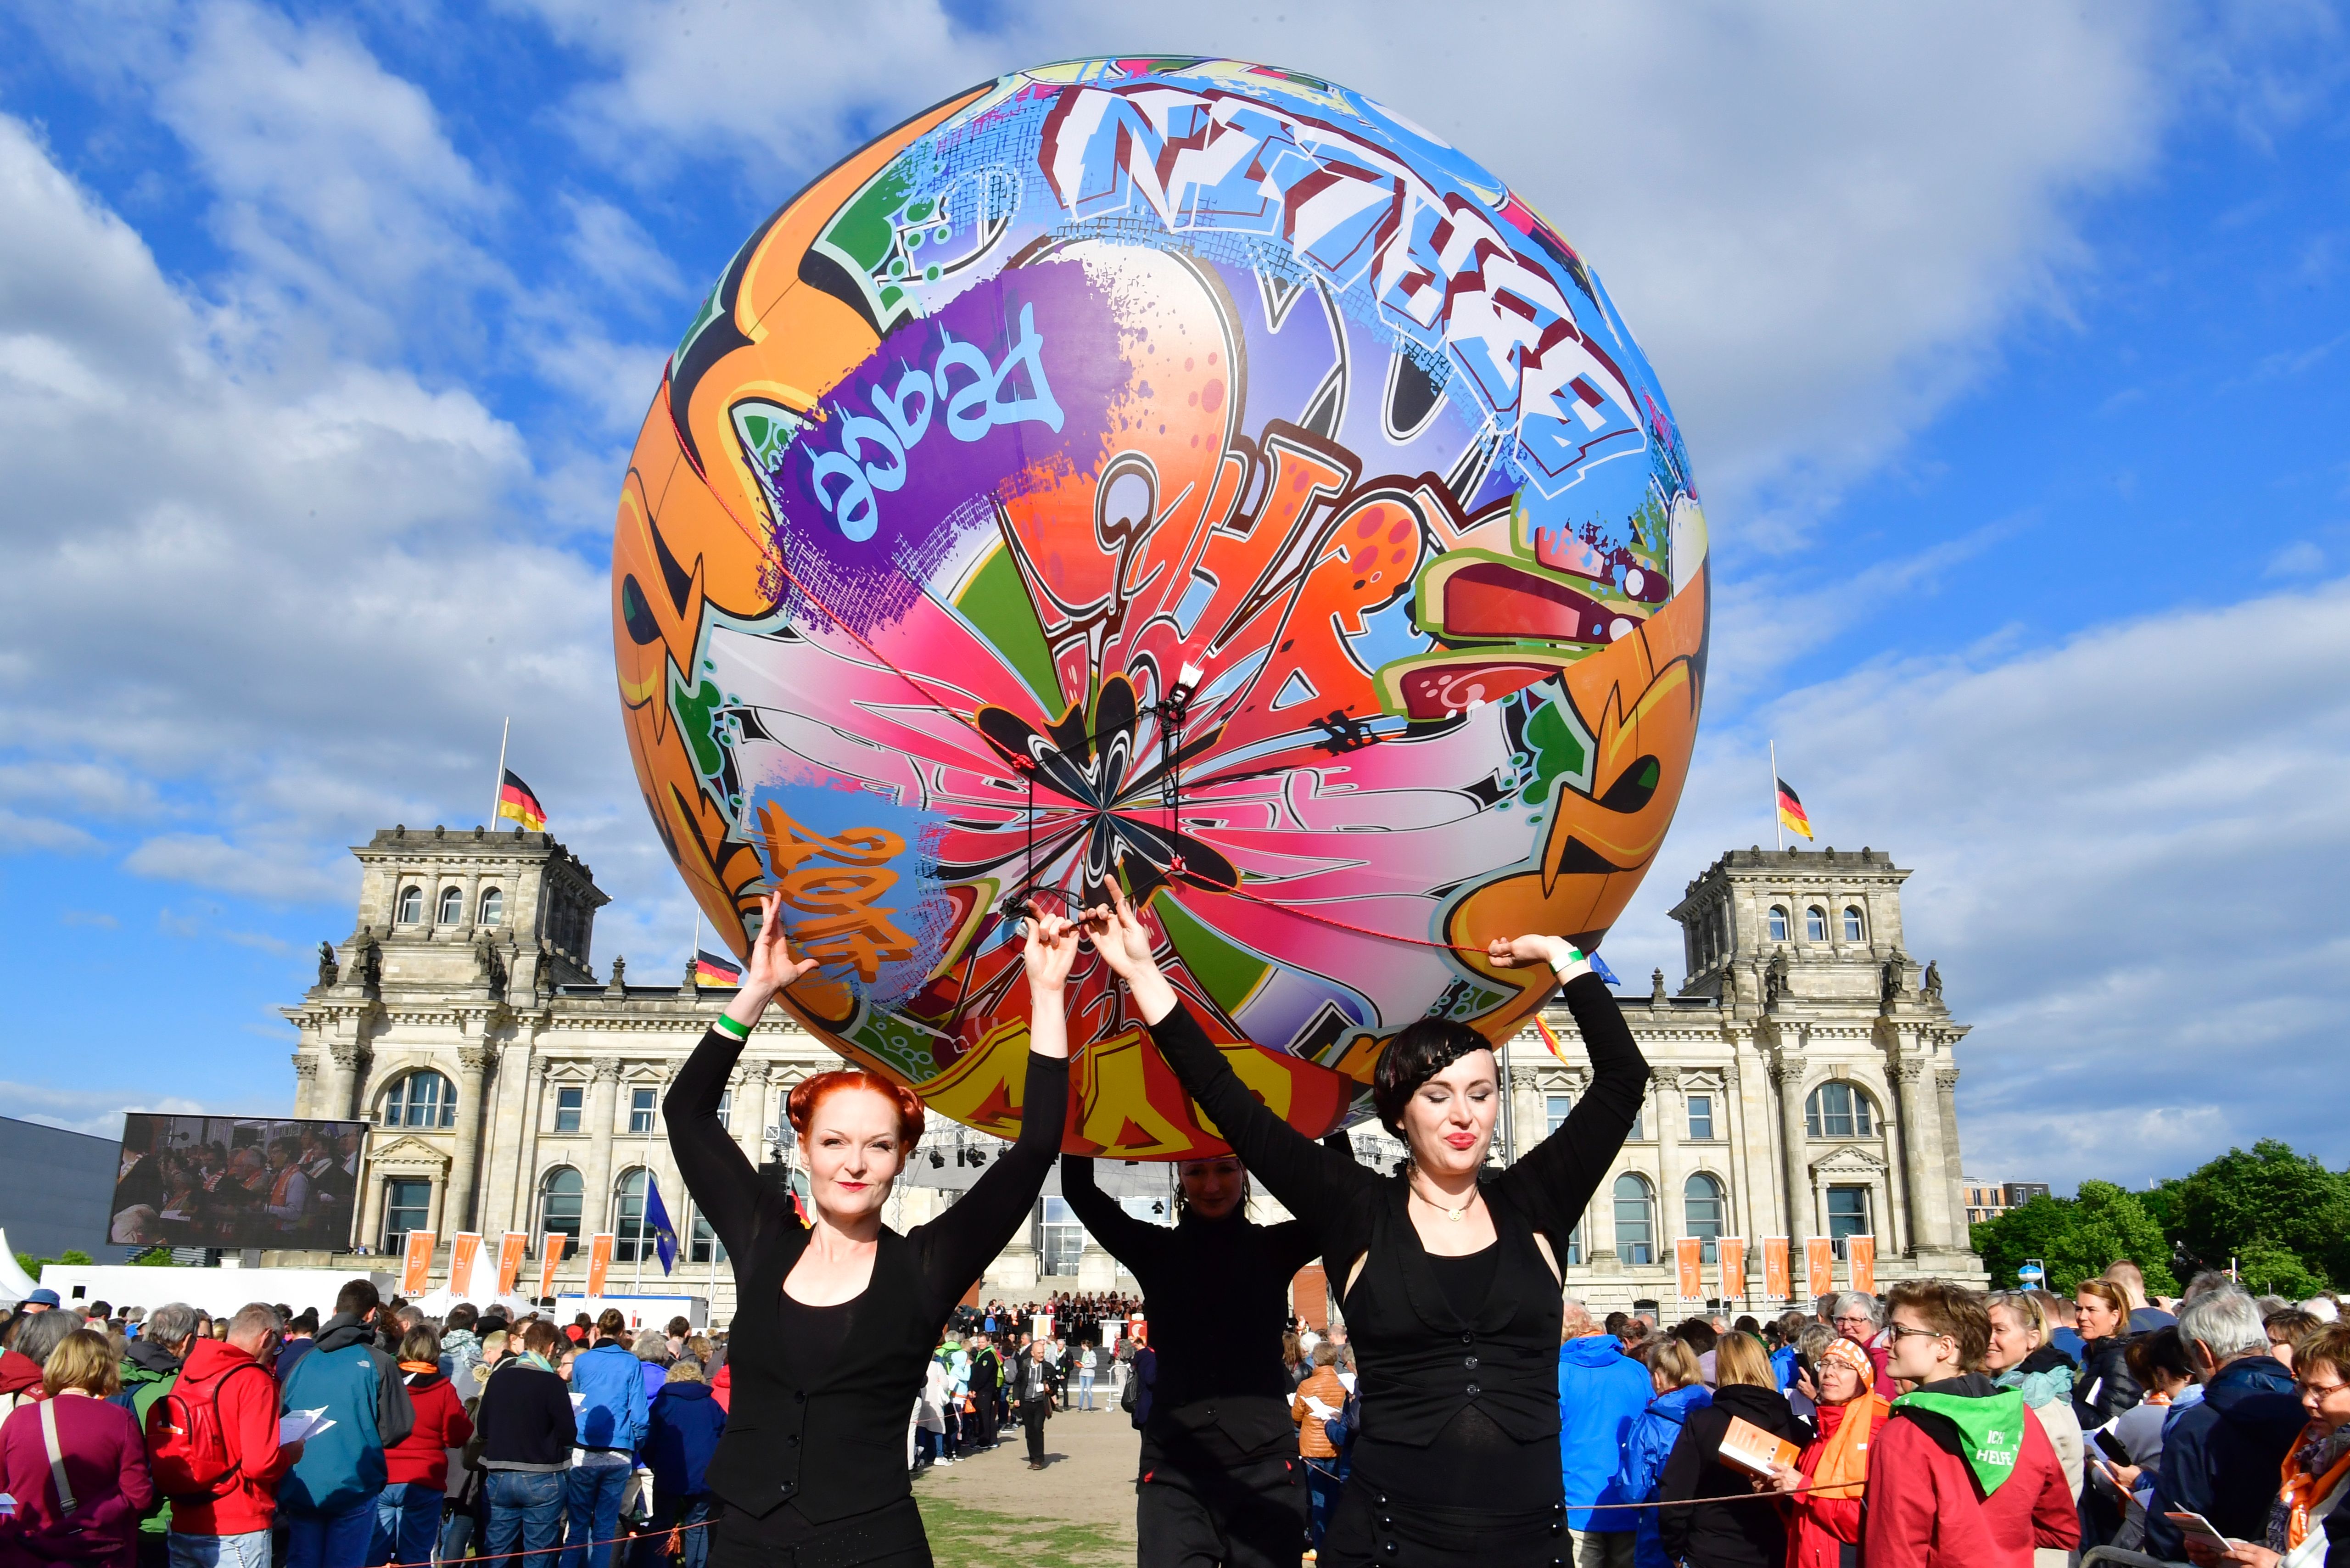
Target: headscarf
[1842,1469]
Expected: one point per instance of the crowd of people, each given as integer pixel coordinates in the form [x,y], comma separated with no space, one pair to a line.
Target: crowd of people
[378,1436]
[2212,1429]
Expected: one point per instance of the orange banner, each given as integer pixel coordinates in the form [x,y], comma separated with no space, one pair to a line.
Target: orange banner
[464,1256]
[1776,1285]
[599,1260]
[1732,1252]
[510,1251]
[1689,1253]
[1860,1255]
[550,1255]
[416,1263]
[1819,1267]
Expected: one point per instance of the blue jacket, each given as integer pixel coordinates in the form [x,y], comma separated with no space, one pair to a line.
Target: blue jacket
[1784,1368]
[1601,1392]
[684,1428]
[361,1389]
[609,1384]
[2219,1459]
[1645,1453]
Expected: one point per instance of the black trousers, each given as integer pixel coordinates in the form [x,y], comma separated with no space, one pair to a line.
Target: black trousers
[1244,1516]
[1368,1529]
[1031,1417]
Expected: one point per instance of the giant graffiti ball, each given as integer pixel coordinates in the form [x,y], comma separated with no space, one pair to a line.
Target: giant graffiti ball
[1173,472]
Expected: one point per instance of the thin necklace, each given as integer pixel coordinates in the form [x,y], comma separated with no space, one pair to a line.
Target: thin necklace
[1451,1214]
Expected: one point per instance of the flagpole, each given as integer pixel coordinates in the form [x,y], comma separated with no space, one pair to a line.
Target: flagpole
[1775,820]
[641,1217]
[498,785]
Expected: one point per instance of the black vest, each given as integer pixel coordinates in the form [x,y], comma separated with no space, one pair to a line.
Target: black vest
[832,1438]
[1420,1363]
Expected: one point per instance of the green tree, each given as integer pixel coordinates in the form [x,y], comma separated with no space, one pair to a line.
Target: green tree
[156,1257]
[2077,1238]
[75,1257]
[2272,1201]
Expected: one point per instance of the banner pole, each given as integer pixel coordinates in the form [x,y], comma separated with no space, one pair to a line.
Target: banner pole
[498,785]
[1777,824]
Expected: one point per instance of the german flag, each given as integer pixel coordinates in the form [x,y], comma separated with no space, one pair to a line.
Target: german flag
[710,969]
[1792,815]
[516,802]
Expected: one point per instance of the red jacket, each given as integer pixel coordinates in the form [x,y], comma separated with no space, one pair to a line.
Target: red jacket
[421,1458]
[248,1420]
[106,1465]
[1819,1525]
[1926,1511]
[20,1374]
[722,1387]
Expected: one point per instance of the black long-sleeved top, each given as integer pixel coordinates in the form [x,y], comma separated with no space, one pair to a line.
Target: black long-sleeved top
[1491,1378]
[824,1430]
[1217,1292]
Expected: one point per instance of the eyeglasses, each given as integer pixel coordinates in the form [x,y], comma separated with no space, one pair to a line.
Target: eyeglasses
[2319,1389]
[1900,1332]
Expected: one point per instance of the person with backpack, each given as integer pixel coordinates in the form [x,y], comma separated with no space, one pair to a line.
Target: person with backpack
[609,1383]
[74,1461]
[681,1433]
[212,1445]
[416,1468]
[151,1367]
[329,1497]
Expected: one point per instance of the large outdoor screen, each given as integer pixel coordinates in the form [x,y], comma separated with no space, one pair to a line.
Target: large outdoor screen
[235,1181]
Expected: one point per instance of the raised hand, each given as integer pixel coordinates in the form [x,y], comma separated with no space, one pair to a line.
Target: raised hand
[1563,957]
[771,967]
[1125,944]
[1050,949]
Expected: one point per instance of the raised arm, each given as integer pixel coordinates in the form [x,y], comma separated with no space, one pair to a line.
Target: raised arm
[724,1184]
[1553,1183]
[1123,1237]
[956,1246]
[1312,1182]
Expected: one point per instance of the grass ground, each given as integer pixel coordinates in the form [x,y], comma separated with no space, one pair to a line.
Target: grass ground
[962,1536]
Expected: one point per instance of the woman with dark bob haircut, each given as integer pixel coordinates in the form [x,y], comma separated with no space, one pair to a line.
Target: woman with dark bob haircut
[1449,1283]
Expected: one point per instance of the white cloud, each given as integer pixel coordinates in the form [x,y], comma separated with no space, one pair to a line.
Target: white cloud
[2122,850]
[19,832]
[1815,217]
[98,1112]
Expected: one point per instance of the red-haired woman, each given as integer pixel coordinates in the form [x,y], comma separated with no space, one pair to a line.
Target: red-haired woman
[836,1318]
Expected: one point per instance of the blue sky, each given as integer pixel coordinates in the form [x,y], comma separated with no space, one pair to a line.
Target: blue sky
[2008,341]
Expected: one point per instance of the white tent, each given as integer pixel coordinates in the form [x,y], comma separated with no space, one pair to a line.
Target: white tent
[16,1284]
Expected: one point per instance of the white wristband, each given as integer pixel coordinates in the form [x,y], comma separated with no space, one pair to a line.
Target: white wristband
[1575,957]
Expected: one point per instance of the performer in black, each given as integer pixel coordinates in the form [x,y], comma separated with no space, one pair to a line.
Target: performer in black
[837,1318]
[1451,1285]
[1220,1480]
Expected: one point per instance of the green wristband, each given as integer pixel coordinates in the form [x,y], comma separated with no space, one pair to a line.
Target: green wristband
[1574,955]
[731,1030]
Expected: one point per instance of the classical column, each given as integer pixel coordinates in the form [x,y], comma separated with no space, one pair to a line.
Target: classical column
[340,1082]
[1952,1177]
[748,1112]
[371,1205]
[1672,1128]
[306,1083]
[1787,1072]
[1918,1139]
[527,1149]
[473,1072]
[595,1211]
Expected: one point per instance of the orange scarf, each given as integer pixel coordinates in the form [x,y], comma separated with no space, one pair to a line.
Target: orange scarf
[1843,1469]
[2302,1490]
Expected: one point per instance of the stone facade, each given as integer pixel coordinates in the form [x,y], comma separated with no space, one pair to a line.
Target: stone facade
[1803,1075]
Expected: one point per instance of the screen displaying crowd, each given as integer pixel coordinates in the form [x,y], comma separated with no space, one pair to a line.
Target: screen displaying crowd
[235,1181]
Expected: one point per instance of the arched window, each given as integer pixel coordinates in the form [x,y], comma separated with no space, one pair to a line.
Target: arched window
[631,1239]
[420,1099]
[1636,1230]
[1837,1110]
[493,905]
[453,906]
[1778,924]
[560,1201]
[1815,923]
[411,906]
[1701,1212]
[1852,930]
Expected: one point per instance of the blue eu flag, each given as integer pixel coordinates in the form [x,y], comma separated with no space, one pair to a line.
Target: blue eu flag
[656,1221]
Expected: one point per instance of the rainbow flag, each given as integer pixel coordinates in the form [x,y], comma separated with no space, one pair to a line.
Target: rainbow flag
[516,801]
[709,969]
[1792,815]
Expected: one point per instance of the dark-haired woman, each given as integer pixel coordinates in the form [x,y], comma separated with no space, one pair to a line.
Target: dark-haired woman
[1450,1285]
[1220,1480]
[836,1318]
